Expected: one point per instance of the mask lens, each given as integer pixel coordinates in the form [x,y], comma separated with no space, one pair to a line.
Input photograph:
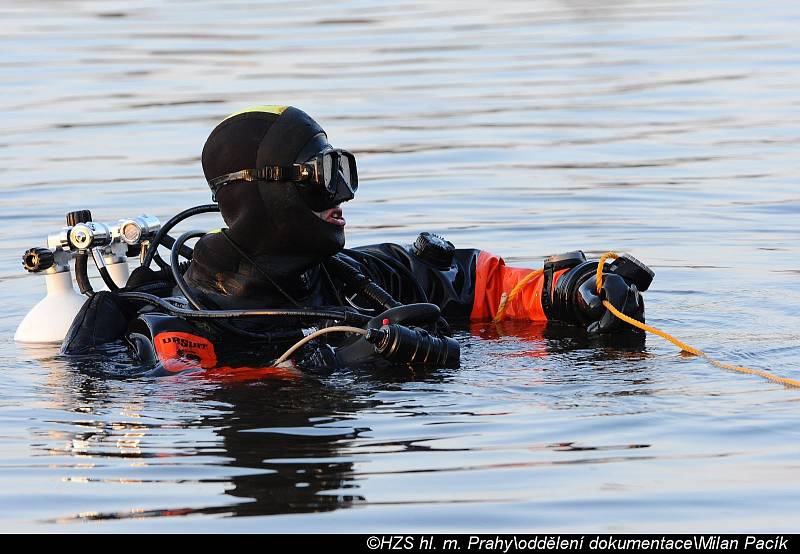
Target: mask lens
[327,171]
[349,170]
[336,180]
[344,168]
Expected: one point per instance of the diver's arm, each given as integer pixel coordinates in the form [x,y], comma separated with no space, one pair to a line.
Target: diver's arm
[469,287]
[477,283]
[411,279]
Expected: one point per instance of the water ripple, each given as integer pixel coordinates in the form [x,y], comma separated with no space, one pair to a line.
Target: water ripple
[665,128]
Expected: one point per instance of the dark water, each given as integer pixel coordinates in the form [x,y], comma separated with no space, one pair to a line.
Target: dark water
[667,129]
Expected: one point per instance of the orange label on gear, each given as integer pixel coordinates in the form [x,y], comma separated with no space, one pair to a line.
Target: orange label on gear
[181,351]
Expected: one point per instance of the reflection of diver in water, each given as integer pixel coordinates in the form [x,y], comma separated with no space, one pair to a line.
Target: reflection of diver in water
[301,434]
[278,274]
[278,446]
[551,338]
[293,444]
[550,353]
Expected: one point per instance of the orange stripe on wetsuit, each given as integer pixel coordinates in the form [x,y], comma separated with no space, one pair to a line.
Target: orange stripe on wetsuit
[493,278]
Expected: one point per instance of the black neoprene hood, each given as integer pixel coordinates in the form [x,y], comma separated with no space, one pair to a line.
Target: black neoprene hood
[259,136]
[269,217]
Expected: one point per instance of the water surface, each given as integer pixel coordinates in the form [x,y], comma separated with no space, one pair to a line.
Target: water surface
[666,129]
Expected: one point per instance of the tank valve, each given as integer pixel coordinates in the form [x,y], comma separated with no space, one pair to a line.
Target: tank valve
[35,260]
[89,235]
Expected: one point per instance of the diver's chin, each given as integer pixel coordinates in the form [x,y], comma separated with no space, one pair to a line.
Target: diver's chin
[332,216]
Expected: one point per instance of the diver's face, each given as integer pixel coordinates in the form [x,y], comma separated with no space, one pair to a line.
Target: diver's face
[332,216]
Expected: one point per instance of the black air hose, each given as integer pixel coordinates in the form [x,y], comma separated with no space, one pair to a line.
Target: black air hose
[82,273]
[358,282]
[172,222]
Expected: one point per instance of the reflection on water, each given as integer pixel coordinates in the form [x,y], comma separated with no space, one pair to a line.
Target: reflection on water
[299,452]
[668,129]
[303,450]
[280,469]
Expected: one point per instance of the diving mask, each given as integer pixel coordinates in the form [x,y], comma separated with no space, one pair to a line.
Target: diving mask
[327,179]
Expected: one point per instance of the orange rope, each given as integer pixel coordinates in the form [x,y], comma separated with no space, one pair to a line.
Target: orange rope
[506,298]
[680,344]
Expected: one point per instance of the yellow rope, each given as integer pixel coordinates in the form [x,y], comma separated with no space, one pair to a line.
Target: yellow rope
[599,275]
[680,344]
[506,298]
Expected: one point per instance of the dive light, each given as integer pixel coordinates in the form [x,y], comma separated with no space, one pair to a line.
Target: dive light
[412,345]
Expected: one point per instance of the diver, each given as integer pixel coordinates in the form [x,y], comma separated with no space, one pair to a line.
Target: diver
[278,273]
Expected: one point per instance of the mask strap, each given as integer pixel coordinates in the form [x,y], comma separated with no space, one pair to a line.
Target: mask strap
[295,172]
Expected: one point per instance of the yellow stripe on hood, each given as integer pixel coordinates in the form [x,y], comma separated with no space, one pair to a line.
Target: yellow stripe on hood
[277,110]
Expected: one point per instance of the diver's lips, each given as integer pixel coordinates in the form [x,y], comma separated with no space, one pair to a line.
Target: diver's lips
[333,216]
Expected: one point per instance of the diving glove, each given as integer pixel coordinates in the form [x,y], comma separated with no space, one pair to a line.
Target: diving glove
[625,297]
[575,298]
